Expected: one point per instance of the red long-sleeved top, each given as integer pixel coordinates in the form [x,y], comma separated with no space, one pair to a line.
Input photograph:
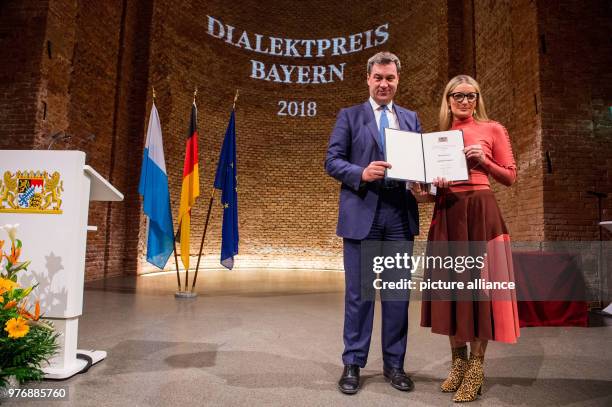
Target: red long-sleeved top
[499,161]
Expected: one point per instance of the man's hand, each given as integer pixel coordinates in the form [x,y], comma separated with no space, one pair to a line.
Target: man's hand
[374,171]
[420,193]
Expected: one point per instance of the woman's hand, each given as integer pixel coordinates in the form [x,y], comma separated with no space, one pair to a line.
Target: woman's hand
[441,182]
[474,152]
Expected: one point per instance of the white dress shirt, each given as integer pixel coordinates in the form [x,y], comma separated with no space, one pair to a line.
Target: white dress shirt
[390,114]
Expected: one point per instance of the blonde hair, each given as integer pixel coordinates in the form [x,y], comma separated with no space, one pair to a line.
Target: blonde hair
[446,117]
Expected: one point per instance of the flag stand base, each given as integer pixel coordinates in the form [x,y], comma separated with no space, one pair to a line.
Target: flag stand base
[185,294]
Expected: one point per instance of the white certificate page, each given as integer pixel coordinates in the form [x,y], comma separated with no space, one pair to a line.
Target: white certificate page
[444,156]
[404,151]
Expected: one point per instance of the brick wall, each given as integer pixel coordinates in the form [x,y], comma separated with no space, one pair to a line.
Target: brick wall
[576,81]
[288,205]
[87,69]
[506,35]
[22,40]
[87,84]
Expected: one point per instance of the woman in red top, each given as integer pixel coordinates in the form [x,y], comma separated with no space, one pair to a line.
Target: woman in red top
[467,211]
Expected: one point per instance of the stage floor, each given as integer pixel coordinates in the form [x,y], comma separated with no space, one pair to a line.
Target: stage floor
[274,338]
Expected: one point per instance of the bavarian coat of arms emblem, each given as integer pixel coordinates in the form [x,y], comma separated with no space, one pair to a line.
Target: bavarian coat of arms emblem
[31,191]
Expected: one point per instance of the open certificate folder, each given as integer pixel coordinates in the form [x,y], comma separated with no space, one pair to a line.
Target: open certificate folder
[422,157]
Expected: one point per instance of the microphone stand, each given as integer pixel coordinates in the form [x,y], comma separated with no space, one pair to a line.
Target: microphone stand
[600,196]
[57,136]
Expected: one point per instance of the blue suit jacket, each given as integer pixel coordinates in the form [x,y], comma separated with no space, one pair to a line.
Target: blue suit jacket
[354,143]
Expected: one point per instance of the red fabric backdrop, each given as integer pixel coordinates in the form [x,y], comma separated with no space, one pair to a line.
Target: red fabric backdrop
[542,275]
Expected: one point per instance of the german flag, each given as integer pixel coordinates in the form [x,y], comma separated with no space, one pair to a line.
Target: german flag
[190,189]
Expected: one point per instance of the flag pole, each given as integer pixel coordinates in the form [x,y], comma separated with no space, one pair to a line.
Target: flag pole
[235,99]
[210,203]
[195,93]
[178,278]
[195,277]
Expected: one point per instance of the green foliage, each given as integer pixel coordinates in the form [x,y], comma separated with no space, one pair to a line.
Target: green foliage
[23,357]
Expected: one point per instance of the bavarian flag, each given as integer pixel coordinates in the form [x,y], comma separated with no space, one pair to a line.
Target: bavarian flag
[226,180]
[153,187]
[190,189]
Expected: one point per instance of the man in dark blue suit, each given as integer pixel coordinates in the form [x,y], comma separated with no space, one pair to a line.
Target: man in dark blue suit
[371,208]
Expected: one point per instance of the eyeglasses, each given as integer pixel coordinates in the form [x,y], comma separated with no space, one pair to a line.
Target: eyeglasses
[458,96]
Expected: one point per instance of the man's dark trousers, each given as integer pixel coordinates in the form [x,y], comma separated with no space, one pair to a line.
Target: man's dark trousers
[390,224]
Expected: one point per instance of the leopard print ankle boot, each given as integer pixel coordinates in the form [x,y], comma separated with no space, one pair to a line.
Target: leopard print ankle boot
[471,385]
[458,368]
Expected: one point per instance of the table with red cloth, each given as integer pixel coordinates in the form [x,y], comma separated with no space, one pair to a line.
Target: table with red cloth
[535,273]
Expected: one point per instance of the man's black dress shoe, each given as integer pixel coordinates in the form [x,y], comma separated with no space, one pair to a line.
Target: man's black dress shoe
[398,378]
[349,382]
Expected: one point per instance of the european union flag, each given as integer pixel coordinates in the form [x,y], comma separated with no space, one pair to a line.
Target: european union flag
[226,180]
